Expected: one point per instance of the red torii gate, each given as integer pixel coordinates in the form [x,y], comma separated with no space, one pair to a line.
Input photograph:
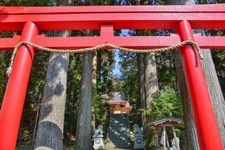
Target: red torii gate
[32,20]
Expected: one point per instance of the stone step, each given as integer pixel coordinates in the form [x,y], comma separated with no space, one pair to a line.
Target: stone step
[118,134]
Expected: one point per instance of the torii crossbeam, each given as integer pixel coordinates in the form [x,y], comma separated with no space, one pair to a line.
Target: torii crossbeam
[31,20]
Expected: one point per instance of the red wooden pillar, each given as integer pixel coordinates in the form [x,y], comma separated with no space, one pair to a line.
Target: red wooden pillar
[205,121]
[14,97]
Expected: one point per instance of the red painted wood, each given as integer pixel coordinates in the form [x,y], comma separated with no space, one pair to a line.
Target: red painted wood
[113,9]
[215,42]
[119,21]
[9,43]
[146,17]
[205,121]
[12,106]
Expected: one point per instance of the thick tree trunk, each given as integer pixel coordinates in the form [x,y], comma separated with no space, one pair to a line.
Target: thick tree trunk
[151,88]
[83,135]
[51,121]
[151,81]
[94,84]
[215,91]
[141,78]
[212,81]
[94,71]
[191,134]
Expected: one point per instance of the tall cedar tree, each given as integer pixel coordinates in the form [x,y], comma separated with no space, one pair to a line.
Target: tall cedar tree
[51,120]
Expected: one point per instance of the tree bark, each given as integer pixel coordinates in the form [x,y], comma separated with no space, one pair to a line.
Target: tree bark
[215,91]
[83,135]
[94,84]
[51,121]
[151,88]
[141,78]
[191,134]
[94,71]
[151,81]
[212,81]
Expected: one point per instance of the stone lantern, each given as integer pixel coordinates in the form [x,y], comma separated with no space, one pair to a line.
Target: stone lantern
[98,138]
[138,138]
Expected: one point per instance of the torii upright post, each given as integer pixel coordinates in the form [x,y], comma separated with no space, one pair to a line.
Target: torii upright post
[13,101]
[207,130]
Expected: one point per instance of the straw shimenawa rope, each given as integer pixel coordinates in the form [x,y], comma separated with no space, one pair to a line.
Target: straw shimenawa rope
[103,46]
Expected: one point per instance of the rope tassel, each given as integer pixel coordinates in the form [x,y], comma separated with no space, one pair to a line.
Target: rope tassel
[103,46]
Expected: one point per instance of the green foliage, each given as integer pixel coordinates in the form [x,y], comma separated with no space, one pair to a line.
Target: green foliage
[220,1]
[167,104]
[203,1]
[73,92]
[100,110]
[37,78]
[219,59]
[165,69]
[104,70]
[5,60]
[100,2]
[129,77]
[28,2]
[26,135]
[104,85]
